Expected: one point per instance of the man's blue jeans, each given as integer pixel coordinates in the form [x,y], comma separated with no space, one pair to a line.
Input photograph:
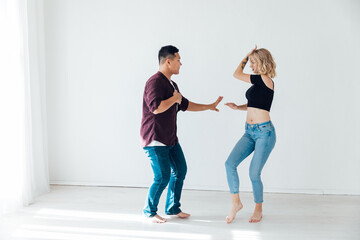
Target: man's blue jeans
[169,166]
[261,139]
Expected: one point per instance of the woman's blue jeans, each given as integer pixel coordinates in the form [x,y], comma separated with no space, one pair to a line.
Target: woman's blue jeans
[169,167]
[261,139]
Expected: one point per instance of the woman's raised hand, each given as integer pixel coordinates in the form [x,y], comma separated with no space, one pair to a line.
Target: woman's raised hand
[252,50]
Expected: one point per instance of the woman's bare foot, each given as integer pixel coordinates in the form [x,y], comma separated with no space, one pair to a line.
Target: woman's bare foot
[183,215]
[257,216]
[157,219]
[235,208]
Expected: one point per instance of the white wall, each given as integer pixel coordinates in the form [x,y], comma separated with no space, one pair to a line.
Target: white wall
[100,54]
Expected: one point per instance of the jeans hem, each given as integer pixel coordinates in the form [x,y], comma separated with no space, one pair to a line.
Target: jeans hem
[175,213]
[149,215]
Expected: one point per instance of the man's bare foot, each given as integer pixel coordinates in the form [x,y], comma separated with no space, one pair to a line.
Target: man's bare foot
[235,208]
[157,219]
[256,217]
[183,215]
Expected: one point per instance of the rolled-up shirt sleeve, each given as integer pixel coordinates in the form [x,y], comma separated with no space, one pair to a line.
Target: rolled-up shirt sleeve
[154,94]
[184,104]
[184,101]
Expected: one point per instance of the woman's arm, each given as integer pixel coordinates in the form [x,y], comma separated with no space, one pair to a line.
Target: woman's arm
[239,74]
[237,107]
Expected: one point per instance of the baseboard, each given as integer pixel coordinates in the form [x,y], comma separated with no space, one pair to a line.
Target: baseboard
[217,188]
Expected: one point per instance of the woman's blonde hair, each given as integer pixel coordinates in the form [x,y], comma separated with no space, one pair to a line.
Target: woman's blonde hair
[265,62]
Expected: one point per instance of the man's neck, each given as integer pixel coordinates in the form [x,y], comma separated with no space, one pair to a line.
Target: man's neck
[166,73]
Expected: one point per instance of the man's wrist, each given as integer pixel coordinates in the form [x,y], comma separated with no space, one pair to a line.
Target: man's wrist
[174,100]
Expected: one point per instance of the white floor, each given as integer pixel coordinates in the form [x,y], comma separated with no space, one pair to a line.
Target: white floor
[109,213]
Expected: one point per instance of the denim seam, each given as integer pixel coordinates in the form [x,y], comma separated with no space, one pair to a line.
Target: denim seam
[174,182]
[157,161]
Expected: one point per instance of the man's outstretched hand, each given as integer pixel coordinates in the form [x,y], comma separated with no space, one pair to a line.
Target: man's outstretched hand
[214,105]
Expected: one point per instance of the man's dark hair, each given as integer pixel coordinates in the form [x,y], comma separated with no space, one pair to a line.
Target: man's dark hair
[167,52]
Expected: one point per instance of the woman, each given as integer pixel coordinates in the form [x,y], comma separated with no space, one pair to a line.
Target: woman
[259,134]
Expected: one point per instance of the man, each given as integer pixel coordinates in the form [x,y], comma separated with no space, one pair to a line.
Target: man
[161,102]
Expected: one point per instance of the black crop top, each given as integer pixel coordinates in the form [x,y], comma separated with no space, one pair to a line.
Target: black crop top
[259,95]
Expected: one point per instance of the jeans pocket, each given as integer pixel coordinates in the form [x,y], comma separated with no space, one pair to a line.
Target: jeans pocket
[266,128]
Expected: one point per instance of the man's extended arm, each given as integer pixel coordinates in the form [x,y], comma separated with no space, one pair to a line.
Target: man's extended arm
[202,107]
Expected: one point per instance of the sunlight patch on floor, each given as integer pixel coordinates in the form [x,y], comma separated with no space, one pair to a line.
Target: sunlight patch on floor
[51,213]
[245,234]
[83,233]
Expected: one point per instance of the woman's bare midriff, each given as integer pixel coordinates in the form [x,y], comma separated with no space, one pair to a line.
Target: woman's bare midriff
[256,115]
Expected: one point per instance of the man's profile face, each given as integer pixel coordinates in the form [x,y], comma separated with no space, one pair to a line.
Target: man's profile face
[175,64]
